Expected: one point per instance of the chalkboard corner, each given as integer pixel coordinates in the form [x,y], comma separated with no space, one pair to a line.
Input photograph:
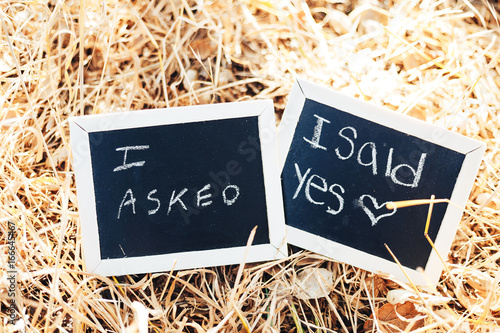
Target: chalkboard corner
[281,249]
[289,120]
[92,259]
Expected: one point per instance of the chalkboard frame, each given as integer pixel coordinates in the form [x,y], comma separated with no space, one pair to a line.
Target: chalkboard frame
[472,149]
[81,127]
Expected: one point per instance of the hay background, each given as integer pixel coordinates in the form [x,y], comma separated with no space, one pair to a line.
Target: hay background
[433,60]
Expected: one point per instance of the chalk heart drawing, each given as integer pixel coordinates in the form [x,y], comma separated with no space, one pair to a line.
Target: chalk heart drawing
[368,211]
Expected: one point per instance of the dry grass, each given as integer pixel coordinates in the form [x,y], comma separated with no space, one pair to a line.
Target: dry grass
[434,60]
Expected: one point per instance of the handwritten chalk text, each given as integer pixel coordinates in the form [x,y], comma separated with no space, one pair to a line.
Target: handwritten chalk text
[348,146]
[368,155]
[202,197]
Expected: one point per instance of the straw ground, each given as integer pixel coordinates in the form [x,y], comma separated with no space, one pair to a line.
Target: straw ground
[433,60]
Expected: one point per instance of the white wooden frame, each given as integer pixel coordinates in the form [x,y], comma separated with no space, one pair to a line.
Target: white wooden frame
[472,149]
[80,128]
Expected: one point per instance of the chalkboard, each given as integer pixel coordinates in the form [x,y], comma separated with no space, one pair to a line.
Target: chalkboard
[178,188]
[343,160]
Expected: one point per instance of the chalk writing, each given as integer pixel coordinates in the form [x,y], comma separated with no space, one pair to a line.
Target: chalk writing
[341,134]
[230,192]
[416,174]
[322,187]
[231,201]
[200,197]
[317,133]
[158,203]
[126,165]
[339,198]
[130,201]
[374,219]
[301,178]
[177,198]
[368,155]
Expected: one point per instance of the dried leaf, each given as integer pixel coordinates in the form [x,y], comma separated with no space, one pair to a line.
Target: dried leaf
[339,22]
[204,47]
[393,318]
[314,283]
[412,60]
[376,285]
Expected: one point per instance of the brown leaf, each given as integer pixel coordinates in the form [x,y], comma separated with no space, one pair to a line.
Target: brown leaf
[204,47]
[393,318]
[418,112]
[412,60]
[376,285]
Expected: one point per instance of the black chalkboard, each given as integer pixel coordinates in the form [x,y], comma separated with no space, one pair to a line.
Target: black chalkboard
[182,188]
[402,230]
[178,157]
[342,168]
